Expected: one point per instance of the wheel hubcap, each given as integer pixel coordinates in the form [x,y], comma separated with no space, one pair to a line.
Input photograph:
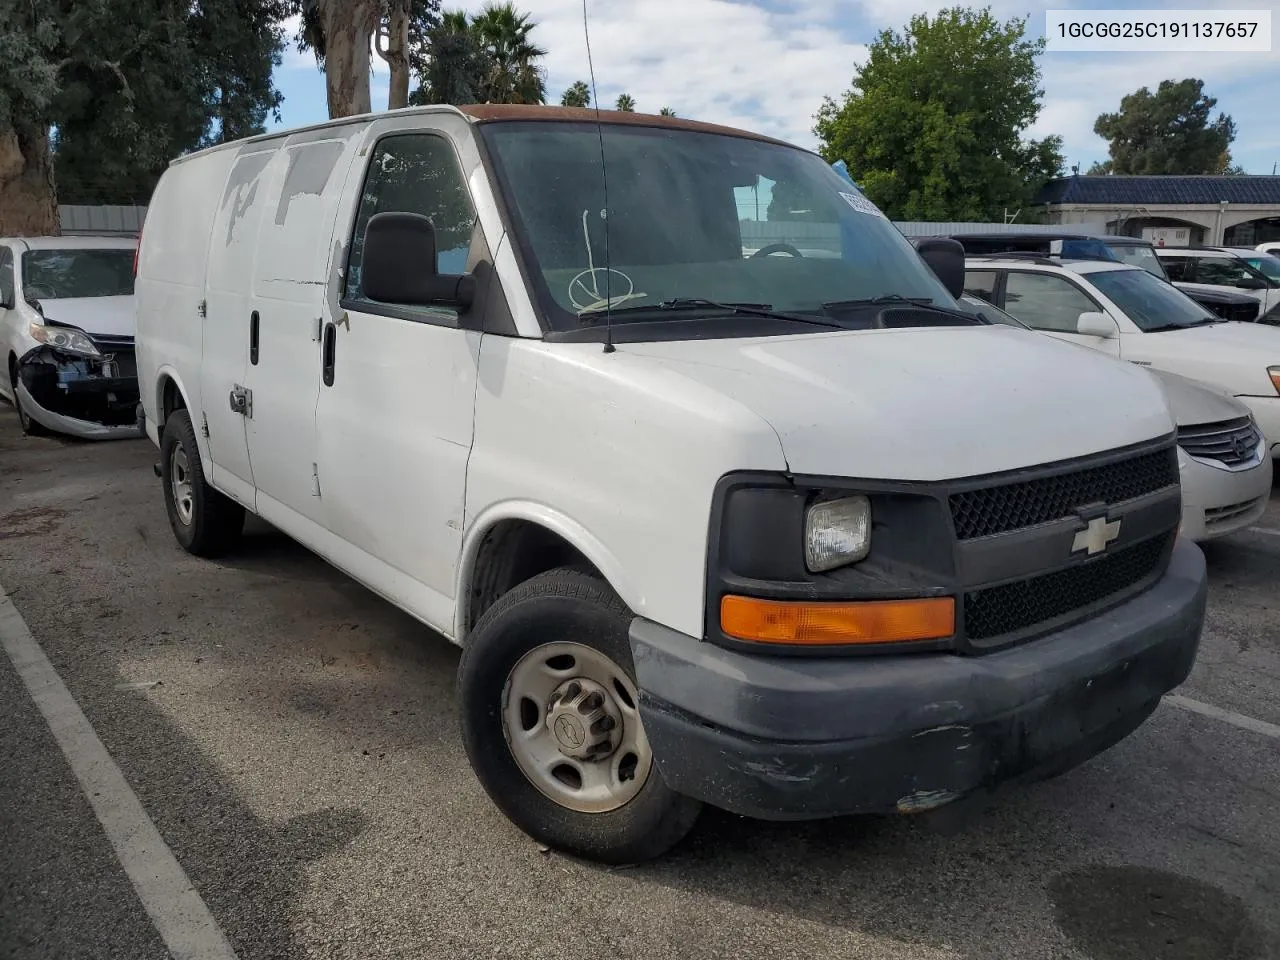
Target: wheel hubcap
[180,483]
[570,718]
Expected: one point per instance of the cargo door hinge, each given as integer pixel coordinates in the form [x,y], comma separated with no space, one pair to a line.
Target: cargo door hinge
[315,480]
[204,426]
[202,309]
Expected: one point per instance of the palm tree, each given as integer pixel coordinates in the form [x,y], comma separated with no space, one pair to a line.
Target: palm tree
[455,65]
[666,112]
[513,76]
[578,95]
[626,103]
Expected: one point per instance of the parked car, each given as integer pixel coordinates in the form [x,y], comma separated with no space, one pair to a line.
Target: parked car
[1250,272]
[1226,303]
[1127,313]
[1223,464]
[1271,246]
[66,329]
[761,532]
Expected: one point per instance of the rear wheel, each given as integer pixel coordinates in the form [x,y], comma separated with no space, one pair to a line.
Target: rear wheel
[206,522]
[551,722]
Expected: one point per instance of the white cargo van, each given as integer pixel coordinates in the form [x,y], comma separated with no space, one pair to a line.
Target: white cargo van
[788,535]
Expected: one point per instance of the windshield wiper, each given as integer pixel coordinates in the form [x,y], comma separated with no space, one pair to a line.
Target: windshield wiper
[1164,327]
[921,303]
[738,309]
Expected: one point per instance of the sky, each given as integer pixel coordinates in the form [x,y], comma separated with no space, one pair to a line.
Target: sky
[766,65]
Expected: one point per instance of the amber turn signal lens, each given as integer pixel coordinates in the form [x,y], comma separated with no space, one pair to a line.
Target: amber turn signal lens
[1274,374]
[818,624]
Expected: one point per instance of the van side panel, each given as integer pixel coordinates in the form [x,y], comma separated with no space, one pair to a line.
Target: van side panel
[170,283]
[291,277]
[242,202]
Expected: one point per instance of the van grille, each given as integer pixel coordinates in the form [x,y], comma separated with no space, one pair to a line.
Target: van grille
[1013,506]
[1233,443]
[1014,607]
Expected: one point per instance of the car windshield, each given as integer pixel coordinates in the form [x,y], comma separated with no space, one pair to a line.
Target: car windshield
[1139,255]
[65,274]
[1150,303]
[692,216]
[1266,264]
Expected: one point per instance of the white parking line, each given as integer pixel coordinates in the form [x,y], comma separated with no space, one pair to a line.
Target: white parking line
[1226,716]
[181,918]
[1268,531]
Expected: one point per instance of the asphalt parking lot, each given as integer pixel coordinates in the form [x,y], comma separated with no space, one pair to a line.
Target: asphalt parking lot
[292,738]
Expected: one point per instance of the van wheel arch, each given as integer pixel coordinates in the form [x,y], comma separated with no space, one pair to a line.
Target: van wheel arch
[169,397]
[510,553]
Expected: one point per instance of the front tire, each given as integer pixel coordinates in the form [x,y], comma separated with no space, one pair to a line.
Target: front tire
[207,523]
[551,726]
[31,427]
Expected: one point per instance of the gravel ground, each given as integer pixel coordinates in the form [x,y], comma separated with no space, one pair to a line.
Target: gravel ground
[293,738]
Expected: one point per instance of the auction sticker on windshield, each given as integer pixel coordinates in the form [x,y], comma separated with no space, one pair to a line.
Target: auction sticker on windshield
[862,205]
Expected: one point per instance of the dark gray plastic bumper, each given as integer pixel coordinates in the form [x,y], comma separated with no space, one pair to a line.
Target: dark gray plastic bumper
[803,738]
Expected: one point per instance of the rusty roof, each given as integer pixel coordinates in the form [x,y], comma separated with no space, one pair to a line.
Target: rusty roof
[497,112]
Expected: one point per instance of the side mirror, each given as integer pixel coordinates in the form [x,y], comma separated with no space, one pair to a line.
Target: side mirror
[1094,324]
[945,258]
[398,264]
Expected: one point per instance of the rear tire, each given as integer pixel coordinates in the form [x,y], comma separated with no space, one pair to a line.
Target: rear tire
[570,620]
[207,523]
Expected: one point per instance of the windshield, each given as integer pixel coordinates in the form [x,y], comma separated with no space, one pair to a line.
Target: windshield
[65,274]
[1150,303]
[1265,264]
[1139,255]
[692,215]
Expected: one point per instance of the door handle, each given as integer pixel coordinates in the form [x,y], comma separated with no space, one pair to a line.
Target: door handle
[328,350]
[253,338]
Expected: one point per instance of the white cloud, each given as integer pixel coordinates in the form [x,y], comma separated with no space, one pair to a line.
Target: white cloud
[767,64]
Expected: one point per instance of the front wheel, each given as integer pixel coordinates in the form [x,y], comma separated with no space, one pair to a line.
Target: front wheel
[31,427]
[551,723]
[207,523]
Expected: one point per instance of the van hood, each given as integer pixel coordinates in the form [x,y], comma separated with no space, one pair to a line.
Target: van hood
[925,403]
[103,316]
[1231,356]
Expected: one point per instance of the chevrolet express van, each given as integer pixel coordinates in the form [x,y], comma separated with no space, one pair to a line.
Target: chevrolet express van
[792,536]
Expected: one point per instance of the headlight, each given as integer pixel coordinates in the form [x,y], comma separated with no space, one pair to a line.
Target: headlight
[1274,374]
[836,533]
[70,339]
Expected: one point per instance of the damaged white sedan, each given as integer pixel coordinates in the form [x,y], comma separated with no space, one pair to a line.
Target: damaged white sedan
[67,329]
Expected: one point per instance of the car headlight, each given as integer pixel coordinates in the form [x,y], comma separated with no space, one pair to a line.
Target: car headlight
[70,339]
[1274,374]
[836,533]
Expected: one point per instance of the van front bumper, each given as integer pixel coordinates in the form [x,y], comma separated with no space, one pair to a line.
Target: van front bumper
[797,738]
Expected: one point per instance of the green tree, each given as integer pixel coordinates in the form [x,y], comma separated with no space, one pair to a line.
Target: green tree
[933,124]
[666,112]
[1171,131]
[626,103]
[578,95]
[99,95]
[453,64]
[514,74]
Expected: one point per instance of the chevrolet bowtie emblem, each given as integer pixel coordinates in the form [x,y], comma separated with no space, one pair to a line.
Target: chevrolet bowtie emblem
[1096,536]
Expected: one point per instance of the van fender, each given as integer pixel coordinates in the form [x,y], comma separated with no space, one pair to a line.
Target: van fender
[202,442]
[564,526]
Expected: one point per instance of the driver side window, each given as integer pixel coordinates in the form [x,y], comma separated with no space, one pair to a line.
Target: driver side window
[1046,302]
[1222,271]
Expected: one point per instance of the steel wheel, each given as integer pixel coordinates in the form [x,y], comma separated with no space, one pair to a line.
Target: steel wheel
[570,719]
[180,481]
